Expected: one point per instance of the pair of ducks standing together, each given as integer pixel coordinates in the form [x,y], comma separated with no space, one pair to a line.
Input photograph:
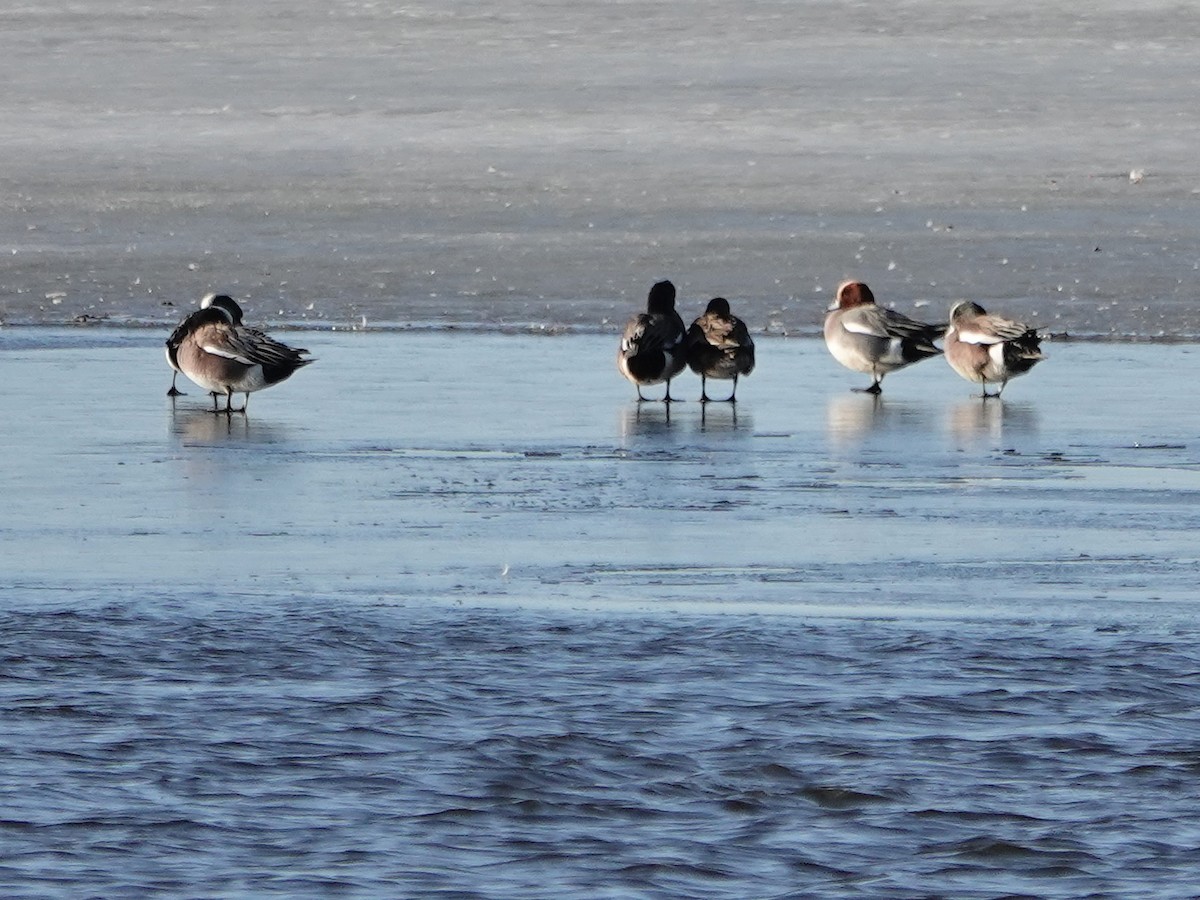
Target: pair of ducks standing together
[861,335]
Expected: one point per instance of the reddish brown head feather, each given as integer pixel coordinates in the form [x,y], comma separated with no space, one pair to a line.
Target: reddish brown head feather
[854,293]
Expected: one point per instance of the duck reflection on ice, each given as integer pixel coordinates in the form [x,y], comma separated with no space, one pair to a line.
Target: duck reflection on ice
[646,420]
[851,417]
[988,420]
[200,426]
[651,420]
[725,417]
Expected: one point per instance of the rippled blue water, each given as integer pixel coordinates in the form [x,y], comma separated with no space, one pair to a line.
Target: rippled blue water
[307,749]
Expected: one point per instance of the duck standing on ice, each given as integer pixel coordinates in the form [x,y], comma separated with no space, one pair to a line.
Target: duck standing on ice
[719,346]
[213,349]
[984,348]
[654,345]
[185,327]
[865,337]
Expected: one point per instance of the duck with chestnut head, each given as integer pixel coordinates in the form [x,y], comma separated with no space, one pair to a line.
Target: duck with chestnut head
[869,338]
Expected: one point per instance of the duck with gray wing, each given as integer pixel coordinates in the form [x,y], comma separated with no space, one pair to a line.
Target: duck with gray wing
[221,355]
[989,349]
[866,337]
[654,345]
[719,346]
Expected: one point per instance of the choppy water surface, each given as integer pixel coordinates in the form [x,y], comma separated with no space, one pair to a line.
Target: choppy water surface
[458,629]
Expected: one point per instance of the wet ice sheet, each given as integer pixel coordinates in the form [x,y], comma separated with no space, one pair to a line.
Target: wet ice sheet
[490,469]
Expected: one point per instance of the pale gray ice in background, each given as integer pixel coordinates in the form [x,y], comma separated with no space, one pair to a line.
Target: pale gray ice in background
[544,162]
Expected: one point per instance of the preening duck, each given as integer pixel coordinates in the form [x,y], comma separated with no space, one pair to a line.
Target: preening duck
[989,349]
[181,331]
[719,346]
[221,355]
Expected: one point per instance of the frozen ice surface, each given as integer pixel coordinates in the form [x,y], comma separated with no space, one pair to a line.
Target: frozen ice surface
[418,466]
[544,162]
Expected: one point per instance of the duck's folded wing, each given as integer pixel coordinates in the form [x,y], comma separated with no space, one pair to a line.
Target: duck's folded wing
[887,323]
[866,320]
[222,340]
[176,337]
[992,330]
[631,340]
[739,335]
[225,351]
[650,332]
[253,347]
[899,325]
[181,331]
[717,331]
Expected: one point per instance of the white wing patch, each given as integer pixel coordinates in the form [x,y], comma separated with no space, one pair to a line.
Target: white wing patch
[856,326]
[978,337]
[226,353]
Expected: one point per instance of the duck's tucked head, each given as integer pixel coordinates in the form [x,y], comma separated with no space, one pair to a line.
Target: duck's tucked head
[965,309]
[225,304]
[718,305]
[210,315]
[851,294]
[662,298]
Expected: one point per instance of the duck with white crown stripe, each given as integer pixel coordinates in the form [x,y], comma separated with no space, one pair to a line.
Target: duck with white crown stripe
[221,300]
[214,350]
